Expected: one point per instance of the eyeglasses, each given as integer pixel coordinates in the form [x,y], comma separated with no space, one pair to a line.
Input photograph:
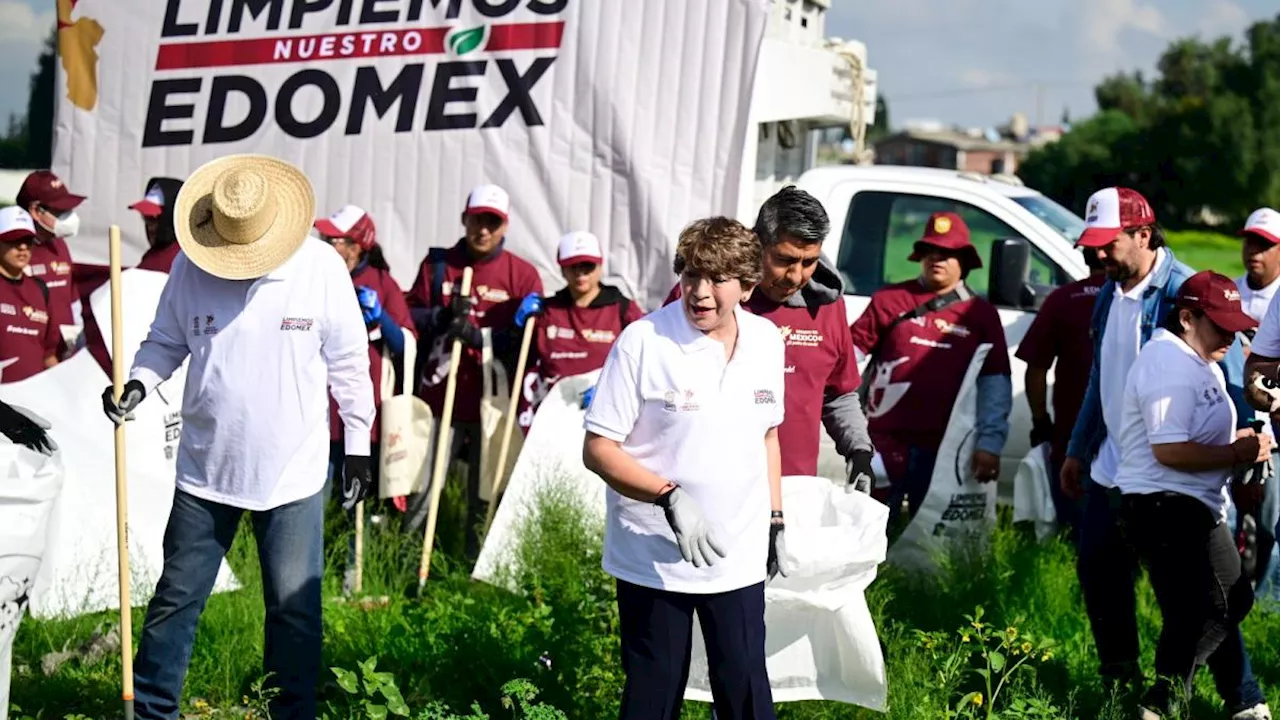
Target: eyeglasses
[584,267]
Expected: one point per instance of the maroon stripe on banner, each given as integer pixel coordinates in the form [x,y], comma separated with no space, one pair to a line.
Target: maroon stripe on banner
[345,46]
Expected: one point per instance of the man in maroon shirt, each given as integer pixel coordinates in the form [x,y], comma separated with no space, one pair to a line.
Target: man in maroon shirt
[919,364]
[52,207]
[577,325]
[28,338]
[802,294]
[1060,334]
[499,281]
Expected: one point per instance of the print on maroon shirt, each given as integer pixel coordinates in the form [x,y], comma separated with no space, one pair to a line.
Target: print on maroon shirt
[1060,332]
[819,361]
[571,340]
[922,362]
[51,262]
[498,284]
[27,333]
[396,311]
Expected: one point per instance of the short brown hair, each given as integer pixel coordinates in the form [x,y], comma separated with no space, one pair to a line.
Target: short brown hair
[720,247]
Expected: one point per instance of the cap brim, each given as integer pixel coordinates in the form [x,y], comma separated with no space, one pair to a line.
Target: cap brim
[480,209]
[1269,237]
[198,236]
[147,208]
[566,262]
[1232,321]
[1096,237]
[968,255]
[63,203]
[16,234]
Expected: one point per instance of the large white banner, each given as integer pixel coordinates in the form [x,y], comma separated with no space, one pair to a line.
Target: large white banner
[623,118]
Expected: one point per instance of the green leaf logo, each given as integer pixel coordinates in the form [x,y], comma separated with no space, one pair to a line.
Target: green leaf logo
[461,42]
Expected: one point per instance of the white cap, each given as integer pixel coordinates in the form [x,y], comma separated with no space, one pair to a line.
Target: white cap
[489,199]
[341,222]
[16,224]
[1264,222]
[579,247]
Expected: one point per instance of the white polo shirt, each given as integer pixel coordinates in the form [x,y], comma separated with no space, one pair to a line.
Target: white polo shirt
[668,396]
[255,409]
[1255,302]
[1174,396]
[1121,338]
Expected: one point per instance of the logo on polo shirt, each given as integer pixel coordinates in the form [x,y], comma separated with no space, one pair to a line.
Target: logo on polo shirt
[21,330]
[493,295]
[296,323]
[949,328]
[670,404]
[36,270]
[8,309]
[1213,396]
[35,315]
[210,327]
[60,268]
[598,336]
[764,397]
[555,332]
[798,337]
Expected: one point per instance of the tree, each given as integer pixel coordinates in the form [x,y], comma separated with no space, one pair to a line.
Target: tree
[40,106]
[880,127]
[1093,155]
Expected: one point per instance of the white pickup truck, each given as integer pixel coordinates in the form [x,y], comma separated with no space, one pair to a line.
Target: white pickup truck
[1025,239]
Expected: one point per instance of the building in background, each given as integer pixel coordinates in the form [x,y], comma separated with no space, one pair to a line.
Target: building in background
[993,151]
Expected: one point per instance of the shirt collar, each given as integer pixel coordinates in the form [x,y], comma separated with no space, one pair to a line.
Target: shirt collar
[1163,334]
[693,340]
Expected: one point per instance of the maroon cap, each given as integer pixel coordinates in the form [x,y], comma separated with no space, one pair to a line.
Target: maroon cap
[1218,298]
[45,188]
[947,231]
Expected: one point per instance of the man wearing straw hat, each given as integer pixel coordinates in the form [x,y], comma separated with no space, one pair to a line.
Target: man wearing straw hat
[266,316]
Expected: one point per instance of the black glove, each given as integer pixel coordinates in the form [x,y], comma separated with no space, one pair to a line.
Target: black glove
[777,562]
[25,428]
[130,398]
[459,324]
[1041,430]
[357,480]
[861,477]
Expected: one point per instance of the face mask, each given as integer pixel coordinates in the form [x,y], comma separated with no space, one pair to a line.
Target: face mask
[67,225]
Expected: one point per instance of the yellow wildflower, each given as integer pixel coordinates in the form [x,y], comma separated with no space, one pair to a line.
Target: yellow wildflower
[1026,647]
[977,699]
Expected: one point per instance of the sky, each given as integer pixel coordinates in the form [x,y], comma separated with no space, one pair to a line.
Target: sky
[976,62]
[967,62]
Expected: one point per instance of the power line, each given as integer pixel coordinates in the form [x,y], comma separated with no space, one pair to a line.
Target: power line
[960,92]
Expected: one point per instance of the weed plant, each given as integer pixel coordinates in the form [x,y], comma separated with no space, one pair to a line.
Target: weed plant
[997,633]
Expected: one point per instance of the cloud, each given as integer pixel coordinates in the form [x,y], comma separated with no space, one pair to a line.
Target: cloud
[1223,17]
[22,35]
[1105,21]
[980,78]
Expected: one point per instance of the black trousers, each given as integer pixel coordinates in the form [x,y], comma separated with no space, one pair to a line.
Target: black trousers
[464,444]
[657,636]
[1194,568]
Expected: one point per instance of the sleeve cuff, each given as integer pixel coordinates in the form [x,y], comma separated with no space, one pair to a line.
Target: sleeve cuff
[148,377]
[1162,438]
[356,443]
[604,432]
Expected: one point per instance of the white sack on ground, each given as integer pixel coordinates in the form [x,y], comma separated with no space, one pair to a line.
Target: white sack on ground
[29,486]
[820,640]
[82,558]
[956,505]
[1032,496]
[627,118]
[551,457]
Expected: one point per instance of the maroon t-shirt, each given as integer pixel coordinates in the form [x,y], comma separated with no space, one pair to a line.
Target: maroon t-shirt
[159,259]
[1060,333]
[396,311]
[571,340]
[51,262]
[27,333]
[820,360]
[922,362]
[498,283]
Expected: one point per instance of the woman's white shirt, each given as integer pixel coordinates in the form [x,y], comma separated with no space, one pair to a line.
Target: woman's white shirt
[1173,395]
[668,396]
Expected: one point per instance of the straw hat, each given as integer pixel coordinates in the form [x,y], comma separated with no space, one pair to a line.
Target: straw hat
[241,216]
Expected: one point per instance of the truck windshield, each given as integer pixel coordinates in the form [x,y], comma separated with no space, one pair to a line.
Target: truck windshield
[1054,215]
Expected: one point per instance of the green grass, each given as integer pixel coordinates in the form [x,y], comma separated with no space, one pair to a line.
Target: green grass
[461,645]
[1205,250]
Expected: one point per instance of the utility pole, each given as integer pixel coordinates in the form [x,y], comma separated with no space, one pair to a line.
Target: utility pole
[1039,105]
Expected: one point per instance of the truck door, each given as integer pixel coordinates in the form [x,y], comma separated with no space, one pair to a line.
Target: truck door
[880,228]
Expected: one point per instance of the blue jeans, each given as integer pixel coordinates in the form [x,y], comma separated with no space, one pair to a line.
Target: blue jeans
[290,548]
[1108,572]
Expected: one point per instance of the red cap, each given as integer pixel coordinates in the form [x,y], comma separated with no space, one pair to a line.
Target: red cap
[45,188]
[350,222]
[1265,223]
[947,231]
[1218,298]
[1111,211]
[151,205]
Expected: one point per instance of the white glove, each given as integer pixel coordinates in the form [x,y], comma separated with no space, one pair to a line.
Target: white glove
[695,536]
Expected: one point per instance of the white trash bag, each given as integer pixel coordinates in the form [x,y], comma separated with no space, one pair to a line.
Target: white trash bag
[1032,496]
[820,640]
[29,487]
